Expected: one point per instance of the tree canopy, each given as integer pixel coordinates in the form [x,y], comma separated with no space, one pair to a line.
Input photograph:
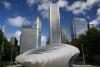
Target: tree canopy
[91,43]
[6,49]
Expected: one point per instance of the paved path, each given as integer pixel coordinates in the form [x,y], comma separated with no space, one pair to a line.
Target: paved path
[73,66]
[84,66]
[12,66]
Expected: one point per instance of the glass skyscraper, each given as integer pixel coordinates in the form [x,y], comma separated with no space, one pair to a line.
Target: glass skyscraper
[79,26]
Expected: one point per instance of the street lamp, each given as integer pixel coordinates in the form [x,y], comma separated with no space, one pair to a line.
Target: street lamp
[2,47]
[83,54]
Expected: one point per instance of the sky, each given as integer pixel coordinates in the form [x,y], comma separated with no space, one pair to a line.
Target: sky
[15,13]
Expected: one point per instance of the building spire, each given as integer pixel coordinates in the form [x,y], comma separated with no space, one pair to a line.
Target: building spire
[73,29]
[38,23]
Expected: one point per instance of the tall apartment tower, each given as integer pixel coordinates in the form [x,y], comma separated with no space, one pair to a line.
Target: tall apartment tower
[55,32]
[30,37]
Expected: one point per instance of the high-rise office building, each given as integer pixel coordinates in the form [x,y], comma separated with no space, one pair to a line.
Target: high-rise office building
[55,32]
[28,41]
[37,26]
[79,26]
[92,25]
[63,35]
[97,26]
[30,37]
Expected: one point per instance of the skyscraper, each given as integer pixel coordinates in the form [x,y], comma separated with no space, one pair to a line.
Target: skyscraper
[63,35]
[73,30]
[28,41]
[55,32]
[92,25]
[37,26]
[79,26]
[30,37]
[95,25]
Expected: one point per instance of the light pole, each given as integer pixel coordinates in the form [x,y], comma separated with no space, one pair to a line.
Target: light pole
[11,55]
[83,54]
[2,47]
[2,50]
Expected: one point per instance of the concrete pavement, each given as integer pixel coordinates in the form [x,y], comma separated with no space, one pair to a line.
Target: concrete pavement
[85,66]
[73,66]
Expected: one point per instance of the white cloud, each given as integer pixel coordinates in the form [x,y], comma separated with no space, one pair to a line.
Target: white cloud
[8,35]
[43,40]
[43,5]
[91,2]
[18,21]
[31,2]
[62,3]
[44,9]
[97,20]
[17,35]
[7,5]
[80,7]
[77,7]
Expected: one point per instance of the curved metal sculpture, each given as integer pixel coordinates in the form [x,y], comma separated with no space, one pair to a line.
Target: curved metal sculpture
[49,56]
[53,55]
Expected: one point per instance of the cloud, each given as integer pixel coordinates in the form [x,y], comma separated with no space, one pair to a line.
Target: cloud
[8,35]
[97,20]
[90,3]
[43,5]
[44,9]
[76,7]
[62,3]
[79,7]
[31,2]
[6,4]
[18,21]
[43,40]
[17,35]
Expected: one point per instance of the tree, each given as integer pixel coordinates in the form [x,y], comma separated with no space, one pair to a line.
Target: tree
[6,49]
[91,42]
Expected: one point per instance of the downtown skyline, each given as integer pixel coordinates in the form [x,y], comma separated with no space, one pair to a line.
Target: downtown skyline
[14,13]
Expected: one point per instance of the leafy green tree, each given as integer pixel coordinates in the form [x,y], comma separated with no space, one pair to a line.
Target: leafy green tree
[6,49]
[91,43]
